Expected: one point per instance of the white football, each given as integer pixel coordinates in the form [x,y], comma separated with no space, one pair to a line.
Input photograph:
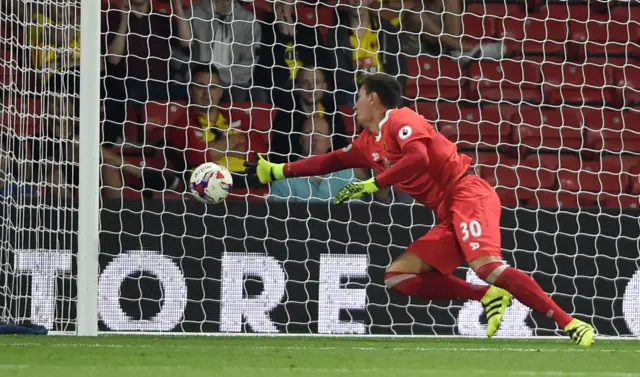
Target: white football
[211,183]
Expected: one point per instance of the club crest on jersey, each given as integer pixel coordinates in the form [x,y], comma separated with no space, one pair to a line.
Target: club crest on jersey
[405,132]
[386,163]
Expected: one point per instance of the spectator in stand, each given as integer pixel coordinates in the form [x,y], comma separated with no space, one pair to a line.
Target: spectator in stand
[15,175]
[55,153]
[307,99]
[54,43]
[209,136]
[138,50]
[227,36]
[204,135]
[315,139]
[363,43]
[435,27]
[287,46]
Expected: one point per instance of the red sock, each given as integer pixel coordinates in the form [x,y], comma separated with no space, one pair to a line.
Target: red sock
[433,285]
[525,290]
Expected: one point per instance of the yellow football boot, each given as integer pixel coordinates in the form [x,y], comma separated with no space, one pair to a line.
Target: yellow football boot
[495,303]
[581,333]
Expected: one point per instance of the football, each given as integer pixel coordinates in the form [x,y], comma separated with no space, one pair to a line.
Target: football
[211,183]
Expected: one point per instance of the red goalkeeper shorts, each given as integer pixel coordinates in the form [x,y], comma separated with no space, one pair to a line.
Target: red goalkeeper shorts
[470,227]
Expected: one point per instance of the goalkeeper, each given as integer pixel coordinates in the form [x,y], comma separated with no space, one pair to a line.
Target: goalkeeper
[406,151]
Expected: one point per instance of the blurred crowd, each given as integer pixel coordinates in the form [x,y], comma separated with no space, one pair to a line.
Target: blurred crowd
[207,58]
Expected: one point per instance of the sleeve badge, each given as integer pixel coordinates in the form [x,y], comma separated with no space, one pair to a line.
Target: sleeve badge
[405,132]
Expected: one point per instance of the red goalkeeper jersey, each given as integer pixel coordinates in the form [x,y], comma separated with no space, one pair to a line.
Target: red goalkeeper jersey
[434,163]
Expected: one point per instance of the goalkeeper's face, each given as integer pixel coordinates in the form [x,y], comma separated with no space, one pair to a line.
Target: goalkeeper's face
[364,108]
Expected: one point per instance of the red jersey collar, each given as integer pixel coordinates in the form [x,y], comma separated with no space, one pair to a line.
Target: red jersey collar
[382,122]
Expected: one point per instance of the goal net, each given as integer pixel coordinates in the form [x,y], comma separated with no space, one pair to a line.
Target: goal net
[544,96]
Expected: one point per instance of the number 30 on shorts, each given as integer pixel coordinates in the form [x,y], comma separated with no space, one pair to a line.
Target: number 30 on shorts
[472,228]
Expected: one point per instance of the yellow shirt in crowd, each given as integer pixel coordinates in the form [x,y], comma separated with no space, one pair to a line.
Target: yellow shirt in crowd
[365,55]
[46,53]
[234,164]
[293,61]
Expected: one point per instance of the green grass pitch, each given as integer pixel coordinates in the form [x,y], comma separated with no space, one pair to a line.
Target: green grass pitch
[111,356]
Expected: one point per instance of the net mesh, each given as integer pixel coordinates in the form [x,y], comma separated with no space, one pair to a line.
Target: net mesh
[542,95]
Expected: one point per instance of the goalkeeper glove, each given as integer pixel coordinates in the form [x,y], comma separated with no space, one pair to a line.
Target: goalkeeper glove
[266,171]
[357,190]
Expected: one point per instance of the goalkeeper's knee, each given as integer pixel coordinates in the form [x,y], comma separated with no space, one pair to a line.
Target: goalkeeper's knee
[393,278]
[490,272]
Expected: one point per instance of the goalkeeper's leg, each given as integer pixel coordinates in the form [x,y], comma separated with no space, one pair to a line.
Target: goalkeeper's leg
[527,291]
[410,276]
[476,221]
[424,271]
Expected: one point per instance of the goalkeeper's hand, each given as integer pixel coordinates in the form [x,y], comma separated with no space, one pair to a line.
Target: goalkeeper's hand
[357,190]
[266,171]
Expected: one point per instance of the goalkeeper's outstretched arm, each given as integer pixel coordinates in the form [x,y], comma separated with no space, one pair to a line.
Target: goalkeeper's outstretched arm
[407,168]
[346,158]
[415,155]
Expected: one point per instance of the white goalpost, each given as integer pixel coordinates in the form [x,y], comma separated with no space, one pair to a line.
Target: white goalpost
[102,236]
[89,182]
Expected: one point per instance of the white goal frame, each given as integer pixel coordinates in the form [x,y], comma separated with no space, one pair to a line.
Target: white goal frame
[89,181]
[87,318]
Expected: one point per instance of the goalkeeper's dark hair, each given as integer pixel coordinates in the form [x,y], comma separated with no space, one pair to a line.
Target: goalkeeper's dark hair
[196,68]
[388,89]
